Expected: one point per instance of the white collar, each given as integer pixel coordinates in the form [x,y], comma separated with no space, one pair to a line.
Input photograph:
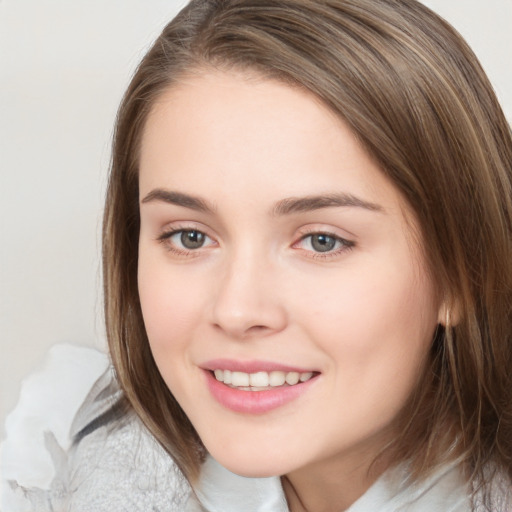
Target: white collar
[219,490]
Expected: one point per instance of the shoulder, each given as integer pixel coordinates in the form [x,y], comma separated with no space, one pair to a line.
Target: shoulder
[97,455]
[49,399]
[496,495]
[115,463]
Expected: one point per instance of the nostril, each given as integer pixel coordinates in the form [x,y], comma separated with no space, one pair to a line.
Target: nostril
[255,330]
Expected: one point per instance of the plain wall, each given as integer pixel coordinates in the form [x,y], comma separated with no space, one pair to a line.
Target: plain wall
[63,68]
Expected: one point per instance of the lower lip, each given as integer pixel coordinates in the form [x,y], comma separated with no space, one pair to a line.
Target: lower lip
[254,402]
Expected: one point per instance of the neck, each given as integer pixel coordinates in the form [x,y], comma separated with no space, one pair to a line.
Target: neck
[331,486]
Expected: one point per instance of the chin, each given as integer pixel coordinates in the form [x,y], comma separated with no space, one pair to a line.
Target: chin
[249,465]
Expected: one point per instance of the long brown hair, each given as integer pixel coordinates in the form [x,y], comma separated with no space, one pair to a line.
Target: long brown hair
[416,97]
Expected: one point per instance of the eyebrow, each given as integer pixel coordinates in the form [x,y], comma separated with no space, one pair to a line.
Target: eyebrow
[179,199]
[285,206]
[317,202]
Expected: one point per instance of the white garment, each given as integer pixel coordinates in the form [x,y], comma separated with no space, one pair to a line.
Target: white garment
[115,465]
[221,491]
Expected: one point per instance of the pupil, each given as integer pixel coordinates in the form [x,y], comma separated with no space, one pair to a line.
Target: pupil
[192,239]
[323,243]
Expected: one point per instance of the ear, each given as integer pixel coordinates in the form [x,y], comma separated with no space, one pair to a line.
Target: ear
[449,313]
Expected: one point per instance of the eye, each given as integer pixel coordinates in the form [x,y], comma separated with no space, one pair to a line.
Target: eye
[324,243]
[184,240]
[191,239]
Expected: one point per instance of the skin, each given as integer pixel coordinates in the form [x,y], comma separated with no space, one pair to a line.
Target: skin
[362,315]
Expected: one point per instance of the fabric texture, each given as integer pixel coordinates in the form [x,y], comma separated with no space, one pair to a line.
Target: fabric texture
[111,463]
[114,464]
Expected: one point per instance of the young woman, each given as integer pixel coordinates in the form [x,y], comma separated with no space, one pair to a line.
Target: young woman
[307,244]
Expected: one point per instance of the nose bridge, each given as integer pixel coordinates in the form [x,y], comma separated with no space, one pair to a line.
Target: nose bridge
[246,302]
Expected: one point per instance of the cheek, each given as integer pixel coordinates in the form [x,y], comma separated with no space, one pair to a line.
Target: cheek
[170,302]
[376,324]
[354,304]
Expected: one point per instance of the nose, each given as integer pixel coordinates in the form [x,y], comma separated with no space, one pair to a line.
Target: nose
[248,302]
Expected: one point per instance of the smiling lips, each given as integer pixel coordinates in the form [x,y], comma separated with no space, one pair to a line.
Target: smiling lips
[256,391]
[260,381]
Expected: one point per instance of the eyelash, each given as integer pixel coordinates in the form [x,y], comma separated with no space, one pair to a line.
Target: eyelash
[345,245]
[165,239]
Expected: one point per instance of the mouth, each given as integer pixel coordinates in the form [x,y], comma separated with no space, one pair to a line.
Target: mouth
[256,388]
[261,380]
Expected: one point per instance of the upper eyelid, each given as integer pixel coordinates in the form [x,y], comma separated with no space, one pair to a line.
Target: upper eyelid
[166,234]
[165,239]
[331,231]
[342,239]
[176,226]
[345,246]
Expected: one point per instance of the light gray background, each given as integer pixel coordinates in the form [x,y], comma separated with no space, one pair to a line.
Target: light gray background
[64,65]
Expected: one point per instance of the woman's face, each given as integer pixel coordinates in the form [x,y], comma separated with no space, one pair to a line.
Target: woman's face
[282,285]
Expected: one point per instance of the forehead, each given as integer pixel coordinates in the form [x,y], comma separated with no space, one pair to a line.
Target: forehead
[239,105]
[233,119]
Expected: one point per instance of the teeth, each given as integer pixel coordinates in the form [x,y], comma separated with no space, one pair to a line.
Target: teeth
[239,379]
[277,378]
[304,376]
[292,378]
[261,380]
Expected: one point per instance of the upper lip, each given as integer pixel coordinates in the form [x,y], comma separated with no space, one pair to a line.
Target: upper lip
[253,366]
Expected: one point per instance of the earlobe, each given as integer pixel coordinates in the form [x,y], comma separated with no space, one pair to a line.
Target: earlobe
[449,314]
